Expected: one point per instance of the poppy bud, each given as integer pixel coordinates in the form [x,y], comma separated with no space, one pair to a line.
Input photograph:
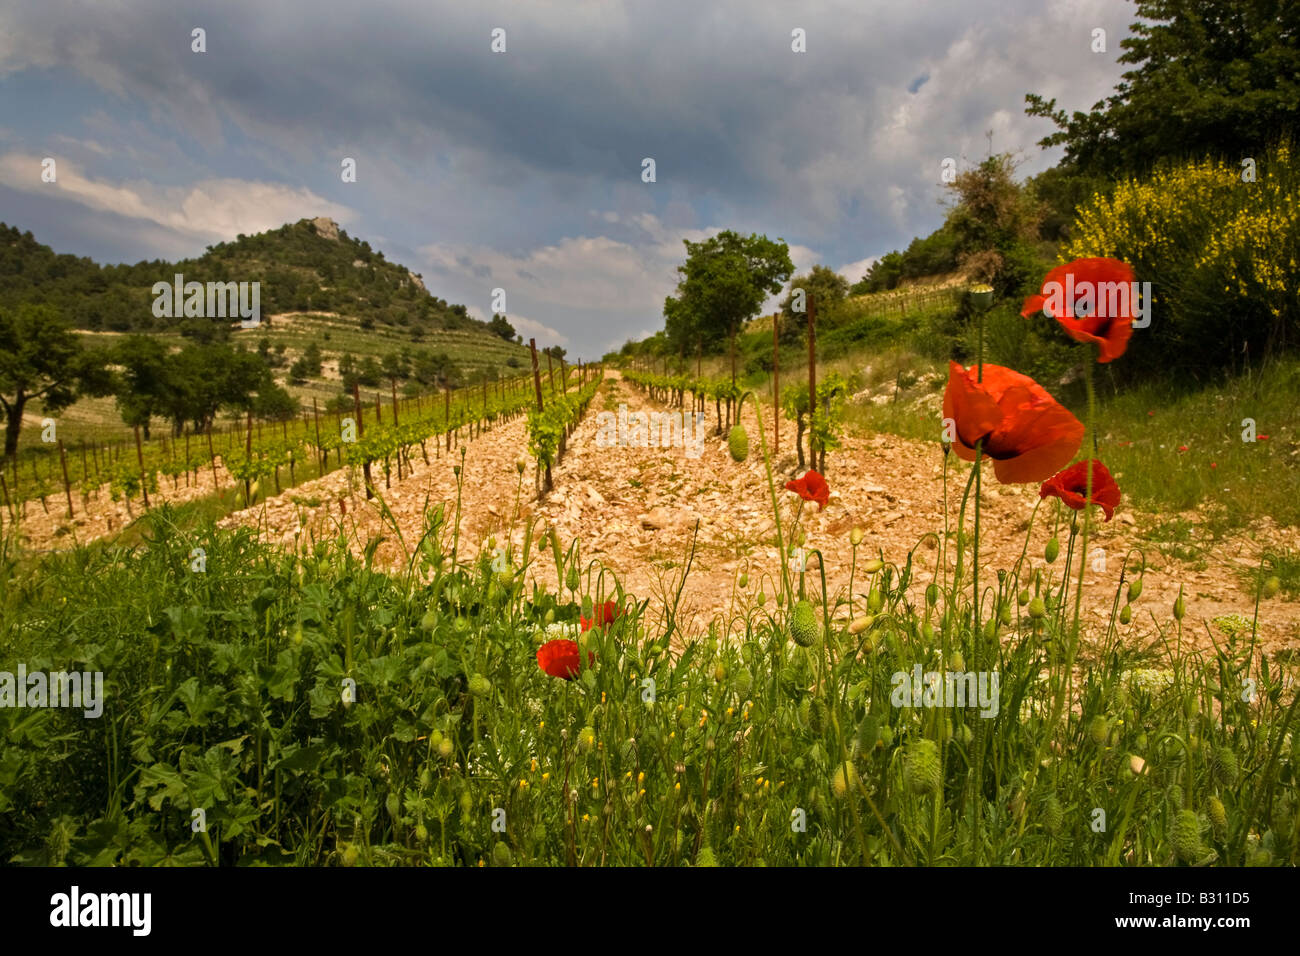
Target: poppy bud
[875,601]
[1126,614]
[856,536]
[573,579]
[586,739]
[1023,597]
[446,748]
[872,566]
[1134,589]
[956,662]
[1037,609]
[922,773]
[1180,606]
[480,686]
[1271,587]
[1052,550]
[1053,814]
[1098,729]
[1218,813]
[1185,836]
[844,779]
[932,594]
[743,580]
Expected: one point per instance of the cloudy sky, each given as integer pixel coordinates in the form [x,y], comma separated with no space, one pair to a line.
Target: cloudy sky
[523,169]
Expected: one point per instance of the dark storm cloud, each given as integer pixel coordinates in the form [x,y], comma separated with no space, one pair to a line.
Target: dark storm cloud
[517,159]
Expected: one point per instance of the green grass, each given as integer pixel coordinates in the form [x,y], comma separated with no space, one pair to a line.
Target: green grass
[225,694]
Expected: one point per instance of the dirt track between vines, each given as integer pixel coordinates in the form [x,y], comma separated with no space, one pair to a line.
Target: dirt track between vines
[634,510]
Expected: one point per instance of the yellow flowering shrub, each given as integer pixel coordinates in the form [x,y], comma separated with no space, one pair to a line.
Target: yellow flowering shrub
[1213,246]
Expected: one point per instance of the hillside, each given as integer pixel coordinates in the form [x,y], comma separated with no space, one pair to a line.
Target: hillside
[310,265]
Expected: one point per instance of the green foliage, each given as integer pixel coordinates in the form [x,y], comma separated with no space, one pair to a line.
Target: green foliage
[1208,76]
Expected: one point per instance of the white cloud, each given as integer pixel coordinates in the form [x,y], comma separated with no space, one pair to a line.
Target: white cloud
[854,271]
[207,209]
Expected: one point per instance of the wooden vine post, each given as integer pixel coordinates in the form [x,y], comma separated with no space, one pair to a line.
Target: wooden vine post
[139,455]
[812,380]
[67,486]
[537,387]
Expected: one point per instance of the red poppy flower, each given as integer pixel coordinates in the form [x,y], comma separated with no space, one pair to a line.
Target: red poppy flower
[1181,449]
[605,613]
[1094,300]
[1026,432]
[561,658]
[1071,486]
[1214,464]
[811,487]
[1262,437]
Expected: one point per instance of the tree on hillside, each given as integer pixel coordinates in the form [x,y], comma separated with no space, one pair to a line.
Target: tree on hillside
[42,358]
[724,282]
[500,327]
[826,287]
[145,379]
[1210,76]
[994,222]
[204,379]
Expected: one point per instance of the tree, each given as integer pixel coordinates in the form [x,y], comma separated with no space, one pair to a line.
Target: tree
[827,288]
[42,358]
[724,282]
[1210,76]
[994,222]
[143,384]
[500,327]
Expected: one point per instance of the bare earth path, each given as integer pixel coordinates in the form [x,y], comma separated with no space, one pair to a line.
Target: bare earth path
[635,509]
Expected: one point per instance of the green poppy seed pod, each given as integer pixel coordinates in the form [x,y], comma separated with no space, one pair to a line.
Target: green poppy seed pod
[1023,597]
[586,739]
[738,443]
[501,854]
[1052,550]
[743,580]
[1098,730]
[921,767]
[1053,814]
[706,857]
[1218,814]
[1037,609]
[1126,614]
[856,536]
[1185,836]
[1180,606]
[456,470]
[480,686]
[520,466]
[872,566]
[1224,766]
[1271,587]
[868,732]
[844,779]
[803,624]
[1134,590]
